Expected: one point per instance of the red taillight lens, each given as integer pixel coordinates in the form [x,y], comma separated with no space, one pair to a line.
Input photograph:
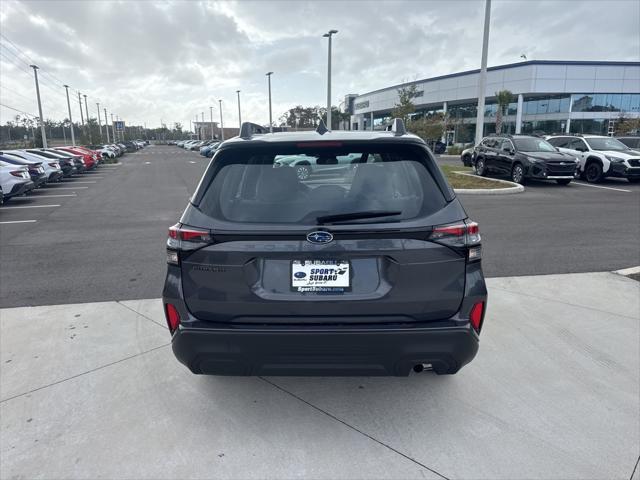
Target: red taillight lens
[17,173]
[466,234]
[173,317]
[185,239]
[475,317]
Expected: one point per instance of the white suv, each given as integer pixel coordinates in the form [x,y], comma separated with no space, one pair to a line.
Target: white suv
[600,156]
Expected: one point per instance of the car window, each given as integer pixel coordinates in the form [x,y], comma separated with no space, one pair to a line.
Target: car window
[506,145]
[266,186]
[533,144]
[560,142]
[577,144]
[606,143]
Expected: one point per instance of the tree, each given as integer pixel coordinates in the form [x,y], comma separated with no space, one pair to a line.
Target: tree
[627,125]
[431,127]
[405,105]
[503,99]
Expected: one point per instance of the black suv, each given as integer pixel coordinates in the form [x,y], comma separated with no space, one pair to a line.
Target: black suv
[522,157]
[370,270]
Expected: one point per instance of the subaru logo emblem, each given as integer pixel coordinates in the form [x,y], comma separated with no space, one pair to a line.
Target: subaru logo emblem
[319,236]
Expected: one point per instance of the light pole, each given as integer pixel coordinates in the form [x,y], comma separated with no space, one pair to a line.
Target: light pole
[211,118]
[86,109]
[80,103]
[268,74]
[99,122]
[44,133]
[106,126]
[195,126]
[73,137]
[482,83]
[113,131]
[221,124]
[329,34]
[239,114]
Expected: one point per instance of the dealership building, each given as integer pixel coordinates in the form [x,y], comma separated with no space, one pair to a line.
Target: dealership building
[548,97]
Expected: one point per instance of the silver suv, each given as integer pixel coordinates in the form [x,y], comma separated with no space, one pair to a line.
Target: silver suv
[600,156]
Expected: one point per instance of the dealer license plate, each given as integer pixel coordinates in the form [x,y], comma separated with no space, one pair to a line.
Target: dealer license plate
[324,276]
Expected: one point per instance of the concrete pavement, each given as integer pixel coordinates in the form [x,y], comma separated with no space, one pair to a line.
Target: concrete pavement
[93,390]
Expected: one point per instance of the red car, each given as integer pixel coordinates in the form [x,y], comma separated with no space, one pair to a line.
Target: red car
[89,156]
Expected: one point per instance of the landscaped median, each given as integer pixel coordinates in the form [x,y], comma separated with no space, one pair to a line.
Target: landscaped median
[463,180]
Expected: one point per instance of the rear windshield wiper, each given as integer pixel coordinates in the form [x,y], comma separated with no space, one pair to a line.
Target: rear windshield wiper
[343,217]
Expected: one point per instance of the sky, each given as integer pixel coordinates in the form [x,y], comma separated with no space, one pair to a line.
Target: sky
[169,61]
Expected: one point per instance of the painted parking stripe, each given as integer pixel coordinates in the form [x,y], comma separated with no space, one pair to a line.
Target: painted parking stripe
[17,221]
[31,206]
[69,188]
[31,197]
[73,181]
[600,186]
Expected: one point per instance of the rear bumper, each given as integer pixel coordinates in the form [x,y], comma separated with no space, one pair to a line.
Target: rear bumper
[366,351]
[20,188]
[55,176]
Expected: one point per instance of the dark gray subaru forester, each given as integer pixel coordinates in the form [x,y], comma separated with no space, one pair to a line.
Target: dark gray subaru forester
[368,266]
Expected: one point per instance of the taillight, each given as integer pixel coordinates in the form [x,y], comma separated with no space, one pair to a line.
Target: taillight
[475,317]
[18,173]
[185,239]
[461,235]
[173,317]
[54,164]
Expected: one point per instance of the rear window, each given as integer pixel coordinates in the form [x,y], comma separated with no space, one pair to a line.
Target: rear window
[291,185]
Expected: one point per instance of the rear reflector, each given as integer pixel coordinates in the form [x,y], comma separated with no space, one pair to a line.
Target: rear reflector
[475,317]
[173,317]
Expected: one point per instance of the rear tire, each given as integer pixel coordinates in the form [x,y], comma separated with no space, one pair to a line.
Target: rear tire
[480,167]
[565,181]
[593,172]
[517,174]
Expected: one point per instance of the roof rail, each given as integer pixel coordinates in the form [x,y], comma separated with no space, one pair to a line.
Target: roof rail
[322,128]
[248,130]
[397,127]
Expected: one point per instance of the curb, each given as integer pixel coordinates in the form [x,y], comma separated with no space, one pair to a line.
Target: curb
[628,271]
[515,188]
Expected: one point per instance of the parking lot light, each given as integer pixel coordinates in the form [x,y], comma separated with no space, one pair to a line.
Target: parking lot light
[268,74]
[328,35]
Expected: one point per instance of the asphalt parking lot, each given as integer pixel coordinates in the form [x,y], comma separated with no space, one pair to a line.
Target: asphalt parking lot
[106,240]
[89,386]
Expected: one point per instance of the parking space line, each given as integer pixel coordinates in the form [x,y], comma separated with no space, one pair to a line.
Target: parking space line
[73,181]
[69,188]
[31,206]
[600,186]
[44,196]
[17,221]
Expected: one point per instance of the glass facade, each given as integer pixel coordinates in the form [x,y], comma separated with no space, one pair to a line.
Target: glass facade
[592,126]
[547,104]
[605,102]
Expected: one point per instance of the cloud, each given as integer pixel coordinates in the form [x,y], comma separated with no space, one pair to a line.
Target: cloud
[172,60]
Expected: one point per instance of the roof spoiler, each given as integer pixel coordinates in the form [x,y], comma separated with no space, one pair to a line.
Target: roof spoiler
[248,130]
[397,127]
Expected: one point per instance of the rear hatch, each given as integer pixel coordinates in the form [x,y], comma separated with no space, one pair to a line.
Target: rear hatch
[344,248]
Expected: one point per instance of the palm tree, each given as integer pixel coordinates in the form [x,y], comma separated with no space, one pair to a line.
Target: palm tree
[503,98]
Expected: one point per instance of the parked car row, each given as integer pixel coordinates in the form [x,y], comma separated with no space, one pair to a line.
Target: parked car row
[24,170]
[556,157]
[206,147]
